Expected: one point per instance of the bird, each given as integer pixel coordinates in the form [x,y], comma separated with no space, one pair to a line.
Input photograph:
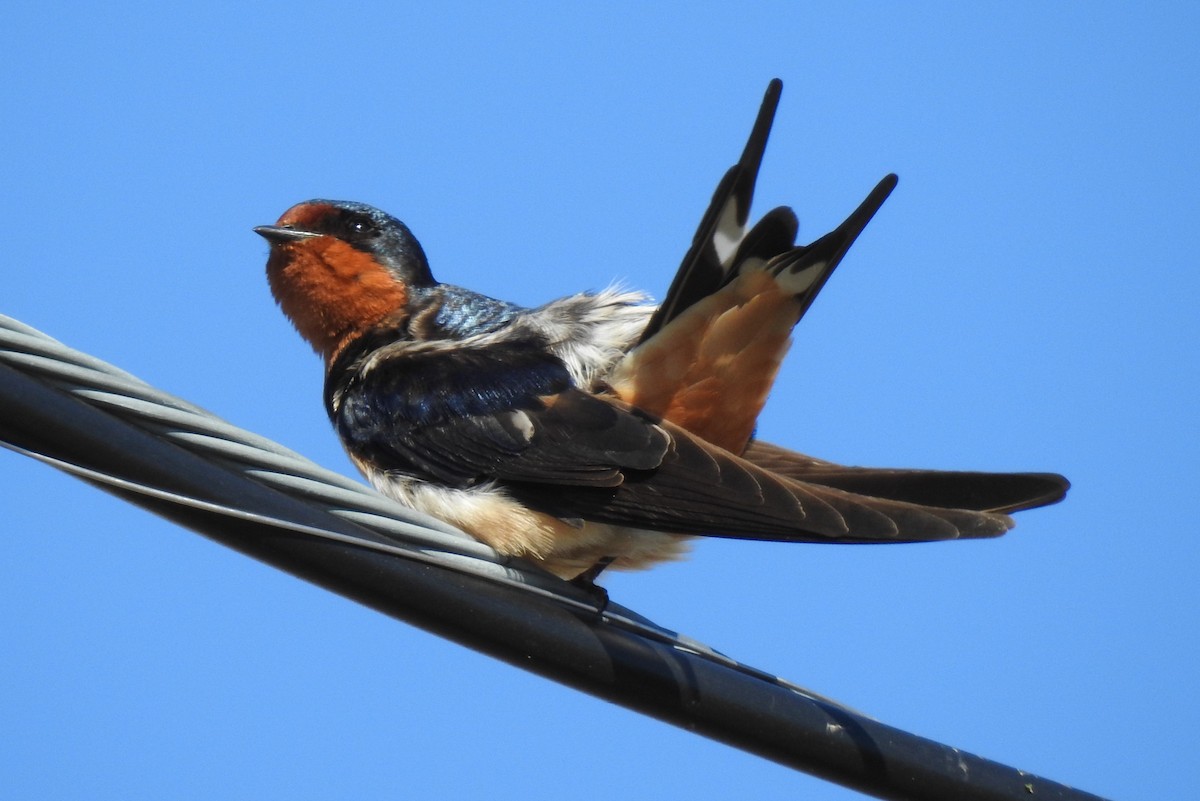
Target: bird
[599,430]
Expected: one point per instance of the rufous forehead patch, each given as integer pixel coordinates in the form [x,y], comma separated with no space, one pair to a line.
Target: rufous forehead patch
[306,215]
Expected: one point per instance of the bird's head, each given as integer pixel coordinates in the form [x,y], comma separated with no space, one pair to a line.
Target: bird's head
[338,268]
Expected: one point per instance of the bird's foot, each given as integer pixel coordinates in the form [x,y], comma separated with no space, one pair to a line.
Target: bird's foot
[586,581]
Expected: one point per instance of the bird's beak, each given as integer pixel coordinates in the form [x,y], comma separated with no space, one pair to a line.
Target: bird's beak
[281,236]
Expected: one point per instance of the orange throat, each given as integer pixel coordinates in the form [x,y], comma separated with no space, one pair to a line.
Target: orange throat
[331,292]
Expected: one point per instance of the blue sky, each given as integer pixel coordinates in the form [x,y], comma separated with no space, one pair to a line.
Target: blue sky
[1025,300]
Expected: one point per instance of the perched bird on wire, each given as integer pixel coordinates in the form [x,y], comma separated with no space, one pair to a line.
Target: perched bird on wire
[597,429]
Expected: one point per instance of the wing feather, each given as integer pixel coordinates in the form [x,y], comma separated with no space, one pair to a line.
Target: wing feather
[577,455]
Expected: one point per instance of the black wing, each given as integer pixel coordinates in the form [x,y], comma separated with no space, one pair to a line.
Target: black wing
[462,415]
[506,413]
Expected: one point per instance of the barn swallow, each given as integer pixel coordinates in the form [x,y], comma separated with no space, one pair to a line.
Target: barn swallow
[597,429]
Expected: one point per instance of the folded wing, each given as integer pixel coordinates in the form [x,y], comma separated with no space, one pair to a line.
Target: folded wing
[573,454]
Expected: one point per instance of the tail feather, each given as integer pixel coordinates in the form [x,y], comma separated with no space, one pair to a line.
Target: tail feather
[723,248]
[705,267]
[773,235]
[945,489]
[803,270]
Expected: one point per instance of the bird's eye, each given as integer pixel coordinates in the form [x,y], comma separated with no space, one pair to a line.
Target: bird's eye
[362,227]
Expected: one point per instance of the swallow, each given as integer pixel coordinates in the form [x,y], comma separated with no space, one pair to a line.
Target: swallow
[598,429]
